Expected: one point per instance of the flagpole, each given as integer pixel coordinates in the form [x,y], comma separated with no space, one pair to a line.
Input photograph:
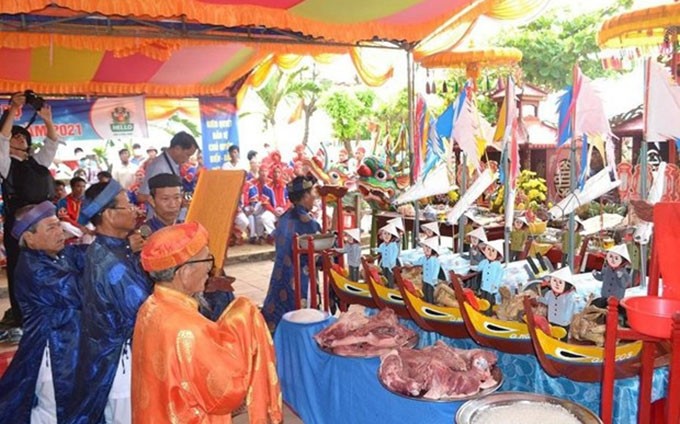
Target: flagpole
[643,177]
[572,171]
[410,75]
[506,201]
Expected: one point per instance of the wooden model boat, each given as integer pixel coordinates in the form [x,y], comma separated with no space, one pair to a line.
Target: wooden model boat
[502,335]
[383,296]
[445,320]
[349,292]
[581,362]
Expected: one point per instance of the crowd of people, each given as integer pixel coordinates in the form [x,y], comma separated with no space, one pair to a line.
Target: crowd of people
[142,271]
[264,198]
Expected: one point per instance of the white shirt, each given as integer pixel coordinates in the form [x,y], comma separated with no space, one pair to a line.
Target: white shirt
[239,165]
[44,156]
[124,174]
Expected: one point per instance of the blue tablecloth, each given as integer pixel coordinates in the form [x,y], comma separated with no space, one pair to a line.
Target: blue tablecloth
[324,388]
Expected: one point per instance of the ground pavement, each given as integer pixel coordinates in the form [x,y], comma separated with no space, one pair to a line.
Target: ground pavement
[250,265]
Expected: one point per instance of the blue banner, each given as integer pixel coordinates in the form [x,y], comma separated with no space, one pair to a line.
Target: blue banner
[94,119]
[219,129]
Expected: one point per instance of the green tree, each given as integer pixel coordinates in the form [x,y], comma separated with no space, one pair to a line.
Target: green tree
[293,87]
[308,91]
[351,113]
[393,115]
[554,42]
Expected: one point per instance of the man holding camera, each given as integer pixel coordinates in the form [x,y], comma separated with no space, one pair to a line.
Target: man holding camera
[25,181]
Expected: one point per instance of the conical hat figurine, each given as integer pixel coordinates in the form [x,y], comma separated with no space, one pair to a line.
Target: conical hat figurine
[397,222]
[431,226]
[433,243]
[621,250]
[478,233]
[561,297]
[496,245]
[563,274]
[354,233]
[390,229]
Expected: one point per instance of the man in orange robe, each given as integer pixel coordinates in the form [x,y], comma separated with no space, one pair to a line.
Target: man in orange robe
[186,368]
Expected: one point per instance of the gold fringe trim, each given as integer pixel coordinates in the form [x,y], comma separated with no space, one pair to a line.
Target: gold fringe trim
[243,15]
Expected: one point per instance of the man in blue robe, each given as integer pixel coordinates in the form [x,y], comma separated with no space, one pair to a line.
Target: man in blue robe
[37,385]
[113,286]
[296,220]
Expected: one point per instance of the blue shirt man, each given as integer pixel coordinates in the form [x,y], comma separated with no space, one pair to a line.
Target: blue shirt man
[113,287]
[296,220]
[40,379]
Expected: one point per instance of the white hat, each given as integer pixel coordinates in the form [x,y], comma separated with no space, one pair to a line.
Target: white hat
[479,233]
[391,229]
[355,233]
[563,274]
[432,226]
[621,250]
[496,245]
[433,243]
[522,219]
[397,222]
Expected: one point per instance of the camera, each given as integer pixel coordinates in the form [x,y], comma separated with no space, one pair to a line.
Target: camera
[34,100]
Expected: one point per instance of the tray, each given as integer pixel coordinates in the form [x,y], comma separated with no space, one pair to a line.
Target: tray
[410,343]
[495,372]
[321,242]
[467,413]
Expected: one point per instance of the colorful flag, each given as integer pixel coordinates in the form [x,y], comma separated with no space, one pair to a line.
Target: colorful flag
[507,115]
[564,127]
[662,104]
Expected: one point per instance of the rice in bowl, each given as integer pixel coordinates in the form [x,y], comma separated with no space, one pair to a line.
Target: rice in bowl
[526,413]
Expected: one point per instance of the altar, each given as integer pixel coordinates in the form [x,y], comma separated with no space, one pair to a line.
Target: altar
[326,389]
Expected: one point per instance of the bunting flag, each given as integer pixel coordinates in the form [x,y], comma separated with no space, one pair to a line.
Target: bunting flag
[590,117]
[435,152]
[662,104]
[419,136]
[564,126]
[445,122]
[297,113]
[507,115]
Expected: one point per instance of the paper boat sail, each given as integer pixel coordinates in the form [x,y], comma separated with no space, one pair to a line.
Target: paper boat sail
[597,185]
[600,222]
[436,182]
[643,232]
[466,200]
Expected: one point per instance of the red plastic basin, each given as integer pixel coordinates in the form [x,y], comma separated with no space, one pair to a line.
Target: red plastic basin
[651,315]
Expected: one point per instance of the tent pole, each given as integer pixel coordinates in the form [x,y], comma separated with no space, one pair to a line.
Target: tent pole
[410,76]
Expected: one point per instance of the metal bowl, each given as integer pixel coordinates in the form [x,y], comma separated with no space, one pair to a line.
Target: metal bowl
[471,409]
[495,372]
[321,241]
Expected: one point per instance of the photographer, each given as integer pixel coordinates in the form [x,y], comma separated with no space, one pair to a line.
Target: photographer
[25,178]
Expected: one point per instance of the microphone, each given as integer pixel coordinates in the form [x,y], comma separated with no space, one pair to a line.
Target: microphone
[145,231]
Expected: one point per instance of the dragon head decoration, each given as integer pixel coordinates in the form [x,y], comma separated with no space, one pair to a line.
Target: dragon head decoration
[377,183]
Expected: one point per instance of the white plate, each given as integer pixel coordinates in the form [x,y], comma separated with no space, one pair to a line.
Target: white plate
[306,316]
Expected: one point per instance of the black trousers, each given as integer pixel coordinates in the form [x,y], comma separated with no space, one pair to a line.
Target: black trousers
[428,292]
[387,272]
[12,252]
[354,273]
